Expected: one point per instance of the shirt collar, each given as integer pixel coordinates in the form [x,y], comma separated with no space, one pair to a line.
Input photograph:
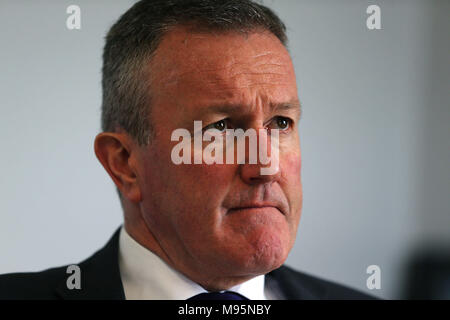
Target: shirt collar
[146,276]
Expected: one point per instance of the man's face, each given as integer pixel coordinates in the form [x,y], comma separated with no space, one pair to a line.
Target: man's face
[221,220]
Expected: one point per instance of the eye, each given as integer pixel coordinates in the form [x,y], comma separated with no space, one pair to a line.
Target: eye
[221,125]
[281,123]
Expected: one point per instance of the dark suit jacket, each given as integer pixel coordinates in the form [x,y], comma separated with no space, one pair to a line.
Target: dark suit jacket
[100,279]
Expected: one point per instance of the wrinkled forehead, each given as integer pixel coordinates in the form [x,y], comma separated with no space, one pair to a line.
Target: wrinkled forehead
[188,57]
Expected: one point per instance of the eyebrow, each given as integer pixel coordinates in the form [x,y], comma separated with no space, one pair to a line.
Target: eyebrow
[293,105]
[225,108]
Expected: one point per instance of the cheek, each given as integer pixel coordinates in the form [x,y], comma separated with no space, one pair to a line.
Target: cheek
[183,182]
[208,186]
[188,198]
[201,191]
[291,164]
[292,186]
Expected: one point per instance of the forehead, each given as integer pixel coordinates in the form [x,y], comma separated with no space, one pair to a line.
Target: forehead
[209,66]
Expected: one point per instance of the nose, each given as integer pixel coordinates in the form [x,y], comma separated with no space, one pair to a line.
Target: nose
[267,166]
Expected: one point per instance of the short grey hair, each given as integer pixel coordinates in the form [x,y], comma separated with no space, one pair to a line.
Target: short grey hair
[133,39]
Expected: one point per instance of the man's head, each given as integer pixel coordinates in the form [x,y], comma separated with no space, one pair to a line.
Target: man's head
[224,63]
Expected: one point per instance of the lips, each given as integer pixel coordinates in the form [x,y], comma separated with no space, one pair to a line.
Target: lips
[257,207]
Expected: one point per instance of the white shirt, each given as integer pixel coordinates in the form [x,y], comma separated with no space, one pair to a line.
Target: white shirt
[145,276]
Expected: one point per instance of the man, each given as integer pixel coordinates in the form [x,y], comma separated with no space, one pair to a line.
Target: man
[198,230]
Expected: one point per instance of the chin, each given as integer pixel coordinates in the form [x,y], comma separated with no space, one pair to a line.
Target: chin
[251,246]
[263,255]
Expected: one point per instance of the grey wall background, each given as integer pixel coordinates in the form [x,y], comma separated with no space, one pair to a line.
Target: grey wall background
[375,135]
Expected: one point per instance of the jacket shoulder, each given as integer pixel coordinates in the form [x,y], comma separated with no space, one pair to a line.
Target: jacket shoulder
[99,279]
[299,285]
[31,285]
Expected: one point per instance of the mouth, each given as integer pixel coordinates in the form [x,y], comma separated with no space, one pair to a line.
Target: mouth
[255,209]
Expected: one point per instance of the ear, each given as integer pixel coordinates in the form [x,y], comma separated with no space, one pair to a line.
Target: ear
[117,153]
